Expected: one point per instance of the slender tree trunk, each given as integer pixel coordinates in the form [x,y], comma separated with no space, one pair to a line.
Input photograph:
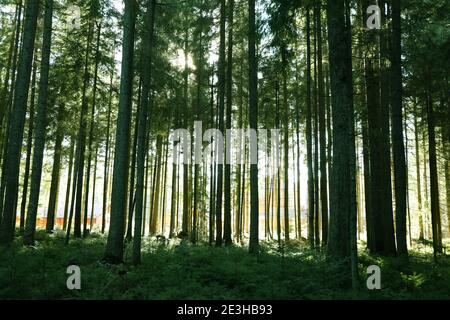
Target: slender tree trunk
[212,169]
[147,169]
[81,144]
[156,190]
[419,188]
[277,163]
[142,127]
[173,196]
[434,184]
[163,186]
[309,154]
[91,133]
[106,165]
[114,246]
[286,144]
[229,94]
[54,186]
[316,138]
[299,203]
[41,119]
[16,124]
[322,131]
[221,104]
[253,121]
[446,141]
[425,177]
[352,163]
[91,219]
[185,212]
[242,198]
[29,150]
[132,195]
[385,187]
[69,180]
[397,132]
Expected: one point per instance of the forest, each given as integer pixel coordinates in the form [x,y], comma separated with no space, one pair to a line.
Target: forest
[224,149]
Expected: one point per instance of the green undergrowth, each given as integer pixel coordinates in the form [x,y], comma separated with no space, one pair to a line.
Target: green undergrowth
[183,271]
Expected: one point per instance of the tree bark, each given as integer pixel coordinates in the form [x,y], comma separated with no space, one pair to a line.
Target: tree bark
[341,193]
[41,119]
[114,245]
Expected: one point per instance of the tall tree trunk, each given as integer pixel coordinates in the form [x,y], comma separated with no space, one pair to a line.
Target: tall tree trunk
[106,164]
[322,131]
[277,162]
[385,187]
[185,214]
[29,149]
[425,176]
[91,219]
[299,203]
[173,197]
[229,94]
[397,132]
[341,193]
[41,119]
[316,139]
[434,183]
[286,143]
[197,117]
[114,246]
[352,163]
[54,186]
[419,188]
[253,121]
[91,133]
[16,124]
[81,145]
[212,168]
[142,127]
[446,141]
[147,169]
[309,154]
[163,186]
[132,195]
[379,151]
[221,100]
[69,180]
[157,188]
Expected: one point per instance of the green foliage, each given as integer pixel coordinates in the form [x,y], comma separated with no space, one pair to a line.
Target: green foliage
[181,271]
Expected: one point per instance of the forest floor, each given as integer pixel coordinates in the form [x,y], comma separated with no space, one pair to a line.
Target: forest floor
[184,271]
